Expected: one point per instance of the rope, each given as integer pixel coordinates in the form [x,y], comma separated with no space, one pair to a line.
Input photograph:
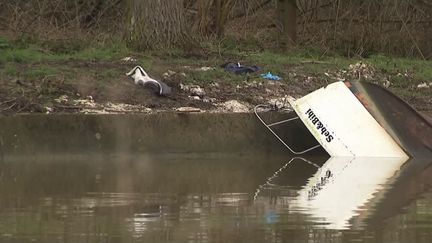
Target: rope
[277,123]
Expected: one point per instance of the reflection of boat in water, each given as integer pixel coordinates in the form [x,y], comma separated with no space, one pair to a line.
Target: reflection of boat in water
[343,185]
[355,192]
[413,181]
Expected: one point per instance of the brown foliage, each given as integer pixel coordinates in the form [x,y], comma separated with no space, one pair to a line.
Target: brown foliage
[60,19]
[357,27]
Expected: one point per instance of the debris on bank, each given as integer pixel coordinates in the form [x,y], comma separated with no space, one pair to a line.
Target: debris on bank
[234,106]
[271,76]
[188,109]
[424,85]
[140,77]
[194,91]
[362,70]
[89,106]
[237,68]
[129,60]
[215,94]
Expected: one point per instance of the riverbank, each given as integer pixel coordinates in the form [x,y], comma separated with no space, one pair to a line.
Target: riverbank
[41,79]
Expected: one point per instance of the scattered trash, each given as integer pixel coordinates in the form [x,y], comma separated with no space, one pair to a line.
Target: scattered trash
[124,108]
[168,74]
[195,90]
[309,80]
[62,99]
[215,85]
[237,68]
[89,106]
[209,100]
[253,84]
[270,76]
[48,109]
[234,106]
[194,97]
[362,70]
[280,103]
[387,84]
[129,59]
[204,69]
[188,109]
[424,85]
[141,78]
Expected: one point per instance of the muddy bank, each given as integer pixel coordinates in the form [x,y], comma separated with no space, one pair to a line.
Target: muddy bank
[118,94]
[103,88]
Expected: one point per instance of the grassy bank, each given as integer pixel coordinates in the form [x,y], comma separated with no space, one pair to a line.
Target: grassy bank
[35,74]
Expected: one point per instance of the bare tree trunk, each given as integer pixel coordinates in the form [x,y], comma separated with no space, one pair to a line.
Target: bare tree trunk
[287,11]
[155,24]
[213,15]
[224,10]
[204,20]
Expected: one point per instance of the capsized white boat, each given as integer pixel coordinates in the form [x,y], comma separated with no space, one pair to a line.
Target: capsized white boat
[358,119]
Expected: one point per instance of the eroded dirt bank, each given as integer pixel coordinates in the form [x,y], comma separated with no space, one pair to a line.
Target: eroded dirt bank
[103,87]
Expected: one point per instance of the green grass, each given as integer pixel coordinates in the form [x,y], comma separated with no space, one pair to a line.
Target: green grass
[39,72]
[308,62]
[33,53]
[4,43]
[419,69]
[199,77]
[300,61]
[29,73]
[26,55]
[99,54]
[10,70]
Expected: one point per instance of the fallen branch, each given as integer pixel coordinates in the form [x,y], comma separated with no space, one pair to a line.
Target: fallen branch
[7,101]
[9,108]
[69,107]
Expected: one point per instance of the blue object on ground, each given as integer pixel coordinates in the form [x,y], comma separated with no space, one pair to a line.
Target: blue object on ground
[239,69]
[270,76]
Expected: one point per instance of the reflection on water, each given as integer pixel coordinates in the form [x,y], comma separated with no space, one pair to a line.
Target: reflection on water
[354,182]
[213,198]
[186,178]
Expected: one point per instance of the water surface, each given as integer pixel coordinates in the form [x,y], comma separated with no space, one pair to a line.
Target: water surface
[90,179]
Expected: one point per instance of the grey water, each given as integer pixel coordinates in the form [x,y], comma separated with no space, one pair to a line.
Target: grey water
[197,178]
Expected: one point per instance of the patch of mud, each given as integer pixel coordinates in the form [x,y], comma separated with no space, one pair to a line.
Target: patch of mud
[102,87]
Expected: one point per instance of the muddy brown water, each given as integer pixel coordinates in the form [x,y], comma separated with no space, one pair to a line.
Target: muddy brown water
[197,178]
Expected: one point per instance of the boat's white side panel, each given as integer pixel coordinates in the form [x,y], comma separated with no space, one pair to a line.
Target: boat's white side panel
[343,185]
[343,126]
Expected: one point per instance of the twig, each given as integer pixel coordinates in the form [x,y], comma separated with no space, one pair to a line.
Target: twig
[10,107]
[315,62]
[7,101]
[411,36]
[69,107]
